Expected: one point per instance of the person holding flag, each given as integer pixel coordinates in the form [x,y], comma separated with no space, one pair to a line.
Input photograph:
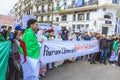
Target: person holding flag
[31,66]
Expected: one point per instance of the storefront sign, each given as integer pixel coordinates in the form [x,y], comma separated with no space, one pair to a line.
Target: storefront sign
[108,22]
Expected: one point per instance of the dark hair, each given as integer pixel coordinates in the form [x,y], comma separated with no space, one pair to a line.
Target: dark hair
[9,27]
[31,21]
[3,26]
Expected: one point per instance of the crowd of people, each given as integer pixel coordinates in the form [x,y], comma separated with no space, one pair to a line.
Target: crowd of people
[24,59]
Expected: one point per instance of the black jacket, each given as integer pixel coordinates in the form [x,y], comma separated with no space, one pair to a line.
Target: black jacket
[103,44]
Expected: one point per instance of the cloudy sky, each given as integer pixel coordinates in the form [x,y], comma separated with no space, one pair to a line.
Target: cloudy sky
[6,6]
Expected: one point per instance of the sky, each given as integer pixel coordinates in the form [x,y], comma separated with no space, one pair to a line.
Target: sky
[6,6]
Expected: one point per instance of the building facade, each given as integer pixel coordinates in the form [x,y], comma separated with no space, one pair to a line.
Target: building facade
[42,9]
[102,16]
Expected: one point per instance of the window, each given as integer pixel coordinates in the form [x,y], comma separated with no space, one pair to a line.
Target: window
[58,3]
[28,13]
[80,17]
[42,7]
[64,18]
[57,19]
[64,3]
[73,27]
[87,27]
[48,17]
[88,16]
[107,16]
[115,1]
[116,19]
[78,26]
[74,17]
[116,28]
[15,9]
[37,9]
[73,3]
[42,18]
[82,27]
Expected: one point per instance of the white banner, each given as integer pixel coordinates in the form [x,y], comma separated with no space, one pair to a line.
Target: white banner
[44,25]
[52,51]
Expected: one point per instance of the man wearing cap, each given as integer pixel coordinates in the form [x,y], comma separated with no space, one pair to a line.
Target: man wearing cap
[19,27]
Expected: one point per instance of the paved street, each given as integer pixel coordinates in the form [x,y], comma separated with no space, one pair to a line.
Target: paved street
[82,70]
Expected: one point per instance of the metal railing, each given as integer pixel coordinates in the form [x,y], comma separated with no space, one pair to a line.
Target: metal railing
[91,2]
[115,2]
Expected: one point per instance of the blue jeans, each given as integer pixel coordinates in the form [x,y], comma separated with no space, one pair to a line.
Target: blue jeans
[103,55]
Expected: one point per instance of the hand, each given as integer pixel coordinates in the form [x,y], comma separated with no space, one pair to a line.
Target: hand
[100,50]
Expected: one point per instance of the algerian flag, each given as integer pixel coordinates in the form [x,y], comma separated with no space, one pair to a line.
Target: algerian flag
[32,44]
[4,55]
[31,66]
[58,8]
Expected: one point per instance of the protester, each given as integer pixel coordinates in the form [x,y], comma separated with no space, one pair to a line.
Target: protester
[19,27]
[14,67]
[64,34]
[119,53]
[87,37]
[29,45]
[58,63]
[103,49]
[4,32]
[50,36]
[114,55]
[78,38]
[31,66]
[11,35]
[1,37]
[70,38]
[110,45]
[93,56]
[43,67]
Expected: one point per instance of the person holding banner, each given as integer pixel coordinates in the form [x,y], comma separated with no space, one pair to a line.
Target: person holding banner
[50,36]
[58,63]
[64,34]
[93,56]
[31,66]
[43,67]
[70,38]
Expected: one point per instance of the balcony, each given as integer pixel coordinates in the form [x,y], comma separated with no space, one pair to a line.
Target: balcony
[40,2]
[26,1]
[42,12]
[28,6]
[115,1]
[91,2]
